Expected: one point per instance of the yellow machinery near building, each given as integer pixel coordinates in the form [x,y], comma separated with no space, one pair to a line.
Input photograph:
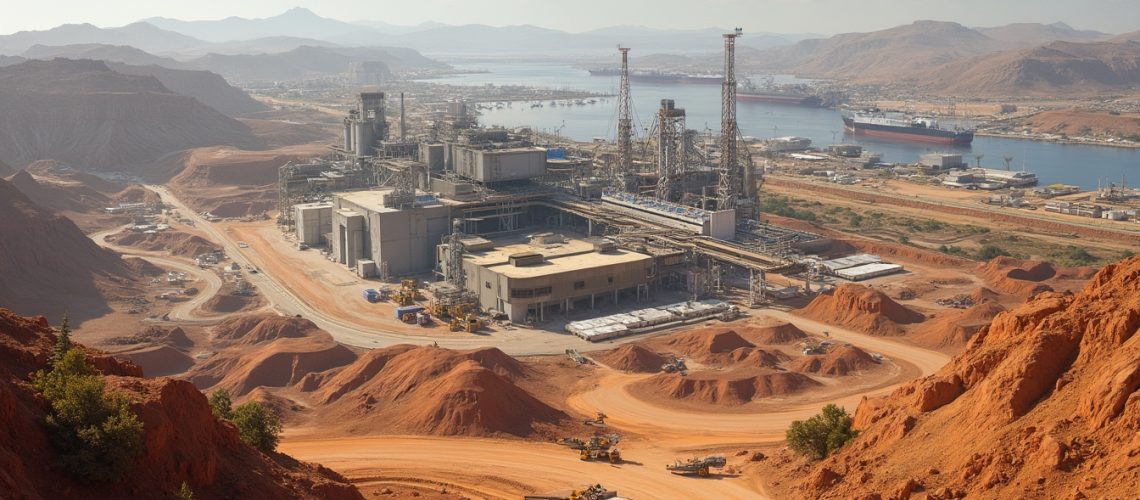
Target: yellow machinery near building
[408,292]
[595,448]
[466,323]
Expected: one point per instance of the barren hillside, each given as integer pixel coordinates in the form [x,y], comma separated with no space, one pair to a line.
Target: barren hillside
[1057,67]
[50,267]
[1043,403]
[85,114]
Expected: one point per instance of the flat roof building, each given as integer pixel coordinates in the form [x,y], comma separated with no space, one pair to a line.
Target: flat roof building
[399,241]
[531,278]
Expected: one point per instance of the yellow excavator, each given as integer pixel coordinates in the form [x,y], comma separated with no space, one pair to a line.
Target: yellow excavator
[467,323]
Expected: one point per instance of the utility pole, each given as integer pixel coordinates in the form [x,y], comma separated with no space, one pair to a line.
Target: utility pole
[729,188]
[624,166]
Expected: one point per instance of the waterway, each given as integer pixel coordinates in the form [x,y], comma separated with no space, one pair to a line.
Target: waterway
[1077,164]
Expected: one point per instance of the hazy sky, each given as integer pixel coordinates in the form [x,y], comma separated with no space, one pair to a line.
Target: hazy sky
[783,16]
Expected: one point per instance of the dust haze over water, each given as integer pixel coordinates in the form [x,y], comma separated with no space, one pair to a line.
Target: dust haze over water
[1080,165]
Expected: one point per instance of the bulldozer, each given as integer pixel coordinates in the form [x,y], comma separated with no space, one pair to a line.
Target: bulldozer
[599,419]
[696,466]
[595,448]
[467,323]
[592,492]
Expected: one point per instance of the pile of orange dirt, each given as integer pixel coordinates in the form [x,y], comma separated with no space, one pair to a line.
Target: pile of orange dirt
[982,294]
[183,440]
[223,303]
[48,266]
[863,309]
[633,358]
[733,388]
[839,361]
[1043,403]
[1016,276]
[701,342]
[268,351]
[774,334]
[231,183]
[178,243]
[430,390]
[954,328]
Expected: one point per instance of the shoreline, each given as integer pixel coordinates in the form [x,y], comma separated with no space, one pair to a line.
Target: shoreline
[1058,141]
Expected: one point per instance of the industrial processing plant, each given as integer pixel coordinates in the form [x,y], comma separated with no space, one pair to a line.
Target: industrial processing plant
[526,227]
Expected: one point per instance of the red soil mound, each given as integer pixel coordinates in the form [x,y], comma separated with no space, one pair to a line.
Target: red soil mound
[225,304]
[633,358]
[183,440]
[704,341]
[176,242]
[861,308]
[1016,276]
[251,329]
[427,390]
[781,333]
[839,361]
[269,351]
[984,294]
[135,194]
[1042,403]
[733,388]
[954,328]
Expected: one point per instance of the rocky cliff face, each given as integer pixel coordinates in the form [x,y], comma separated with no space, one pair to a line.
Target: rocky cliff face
[184,441]
[1043,403]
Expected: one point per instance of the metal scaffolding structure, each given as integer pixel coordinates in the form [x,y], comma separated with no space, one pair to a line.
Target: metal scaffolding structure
[622,170]
[731,178]
[672,154]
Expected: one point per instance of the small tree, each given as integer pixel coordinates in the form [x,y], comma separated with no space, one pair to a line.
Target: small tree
[95,433]
[822,434]
[62,341]
[257,425]
[221,404]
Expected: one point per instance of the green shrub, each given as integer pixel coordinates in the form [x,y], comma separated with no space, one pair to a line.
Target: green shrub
[258,425]
[988,252]
[822,434]
[97,436]
[221,404]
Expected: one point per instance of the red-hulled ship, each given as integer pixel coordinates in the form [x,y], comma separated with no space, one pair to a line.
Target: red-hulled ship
[914,129]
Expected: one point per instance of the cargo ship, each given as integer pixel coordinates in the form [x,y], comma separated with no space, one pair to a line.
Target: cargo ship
[661,76]
[913,129]
[792,94]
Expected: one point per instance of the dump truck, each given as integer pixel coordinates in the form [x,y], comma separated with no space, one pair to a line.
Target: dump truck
[371,295]
[595,448]
[697,466]
[592,492]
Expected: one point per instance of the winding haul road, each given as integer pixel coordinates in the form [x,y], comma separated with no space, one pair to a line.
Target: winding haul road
[496,468]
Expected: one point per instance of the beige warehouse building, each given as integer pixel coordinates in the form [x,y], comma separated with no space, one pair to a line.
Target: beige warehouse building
[531,277]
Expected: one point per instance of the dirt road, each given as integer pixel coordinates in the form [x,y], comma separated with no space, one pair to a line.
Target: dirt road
[508,469]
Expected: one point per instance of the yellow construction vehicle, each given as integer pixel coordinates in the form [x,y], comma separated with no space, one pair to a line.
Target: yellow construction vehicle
[467,323]
[408,292]
[600,419]
[595,448]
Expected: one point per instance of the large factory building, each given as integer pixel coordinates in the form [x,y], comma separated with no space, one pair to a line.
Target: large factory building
[530,277]
[371,236]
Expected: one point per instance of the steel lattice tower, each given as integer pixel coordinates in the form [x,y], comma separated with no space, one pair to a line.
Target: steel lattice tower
[730,175]
[671,152]
[623,169]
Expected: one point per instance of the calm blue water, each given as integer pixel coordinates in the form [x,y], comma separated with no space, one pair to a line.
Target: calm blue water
[1053,163]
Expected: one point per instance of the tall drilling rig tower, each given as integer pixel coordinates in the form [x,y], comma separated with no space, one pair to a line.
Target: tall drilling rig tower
[623,168]
[671,149]
[731,178]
